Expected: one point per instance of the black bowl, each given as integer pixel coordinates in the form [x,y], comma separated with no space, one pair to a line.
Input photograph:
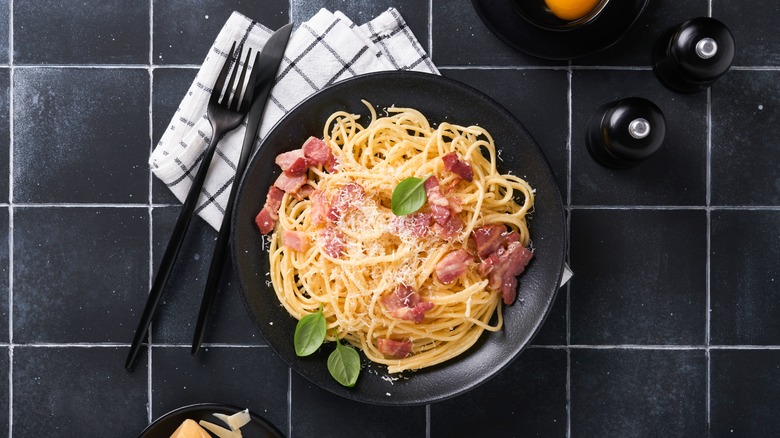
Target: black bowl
[537,13]
[164,426]
[440,99]
[529,26]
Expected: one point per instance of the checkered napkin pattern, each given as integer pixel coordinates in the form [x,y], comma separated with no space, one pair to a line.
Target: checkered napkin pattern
[322,51]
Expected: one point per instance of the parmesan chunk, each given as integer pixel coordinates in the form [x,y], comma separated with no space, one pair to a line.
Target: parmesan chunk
[220,431]
[235,421]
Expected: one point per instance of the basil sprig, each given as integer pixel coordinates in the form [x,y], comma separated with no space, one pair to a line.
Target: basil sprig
[309,333]
[408,196]
[344,364]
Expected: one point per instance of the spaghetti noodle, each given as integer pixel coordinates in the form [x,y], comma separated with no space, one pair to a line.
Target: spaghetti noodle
[409,291]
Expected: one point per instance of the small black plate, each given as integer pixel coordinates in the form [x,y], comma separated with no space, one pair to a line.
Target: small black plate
[440,99]
[164,426]
[505,20]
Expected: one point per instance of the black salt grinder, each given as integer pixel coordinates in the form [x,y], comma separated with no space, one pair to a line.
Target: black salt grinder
[623,133]
[692,56]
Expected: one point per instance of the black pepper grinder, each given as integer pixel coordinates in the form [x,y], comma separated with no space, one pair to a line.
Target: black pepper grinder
[692,56]
[626,132]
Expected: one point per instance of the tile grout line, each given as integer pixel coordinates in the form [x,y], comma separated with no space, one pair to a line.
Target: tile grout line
[708,261]
[149,392]
[11,72]
[569,134]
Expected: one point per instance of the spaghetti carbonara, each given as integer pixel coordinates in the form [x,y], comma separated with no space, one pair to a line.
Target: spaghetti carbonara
[412,290]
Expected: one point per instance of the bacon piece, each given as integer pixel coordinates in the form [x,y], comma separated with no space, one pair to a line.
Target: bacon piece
[450,229]
[273,200]
[332,241]
[266,219]
[459,167]
[265,223]
[489,238]
[290,183]
[346,197]
[412,225]
[296,240]
[317,152]
[293,162]
[405,303]
[319,207]
[399,349]
[304,192]
[440,206]
[453,265]
[506,264]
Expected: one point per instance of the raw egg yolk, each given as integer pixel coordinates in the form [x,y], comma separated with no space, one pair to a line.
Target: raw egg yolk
[571,10]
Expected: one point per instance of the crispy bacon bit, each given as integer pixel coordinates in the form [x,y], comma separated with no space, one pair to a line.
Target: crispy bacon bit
[346,197]
[293,162]
[332,241]
[453,265]
[305,191]
[440,206]
[319,207]
[399,349]
[265,223]
[450,229]
[503,265]
[412,225]
[448,224]
[290,183]
[459,167]
[317,152]
[266,219]
[405,303]
[273,200]
[489,238]
[296,240]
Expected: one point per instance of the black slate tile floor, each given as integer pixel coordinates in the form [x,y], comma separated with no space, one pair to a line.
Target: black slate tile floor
[248,376]
[80,274]
[649,288]
[638,393]
[69,124]
[745,277]
[84,32]
[62,390]
[687,350]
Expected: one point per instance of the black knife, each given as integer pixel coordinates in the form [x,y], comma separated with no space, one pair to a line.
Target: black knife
[268,63]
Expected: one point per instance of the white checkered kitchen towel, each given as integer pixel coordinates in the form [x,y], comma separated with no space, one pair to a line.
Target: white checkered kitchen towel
[324,50]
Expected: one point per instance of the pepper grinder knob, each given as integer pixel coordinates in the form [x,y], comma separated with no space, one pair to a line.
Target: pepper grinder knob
[626,132]
[692,56]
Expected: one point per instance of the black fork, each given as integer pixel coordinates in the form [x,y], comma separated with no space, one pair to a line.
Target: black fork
[226,109]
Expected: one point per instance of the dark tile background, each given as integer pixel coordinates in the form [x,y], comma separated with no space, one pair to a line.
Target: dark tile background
[670,326]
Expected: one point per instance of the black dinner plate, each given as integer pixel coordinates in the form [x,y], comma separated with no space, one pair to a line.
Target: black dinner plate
[440,99]
[164,426]
[504,19]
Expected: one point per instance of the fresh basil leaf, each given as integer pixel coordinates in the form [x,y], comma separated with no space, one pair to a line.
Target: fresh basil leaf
[408,196]
[344,364]
[309,333]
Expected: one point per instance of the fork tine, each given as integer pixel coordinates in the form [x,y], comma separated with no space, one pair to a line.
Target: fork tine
[241,90]
[216,92]
[233,89]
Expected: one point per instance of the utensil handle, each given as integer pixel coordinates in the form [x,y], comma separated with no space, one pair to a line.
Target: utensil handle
[220,250]
[171,252]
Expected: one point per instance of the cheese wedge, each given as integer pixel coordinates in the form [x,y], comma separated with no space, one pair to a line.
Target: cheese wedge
[190,429]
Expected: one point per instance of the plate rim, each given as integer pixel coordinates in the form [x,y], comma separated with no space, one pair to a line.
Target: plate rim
[204,407]
[559,262]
